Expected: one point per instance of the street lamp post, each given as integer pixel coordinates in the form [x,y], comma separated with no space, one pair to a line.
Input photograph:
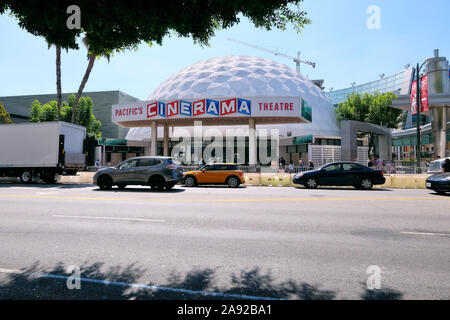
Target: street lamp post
[418,100]
[418,91]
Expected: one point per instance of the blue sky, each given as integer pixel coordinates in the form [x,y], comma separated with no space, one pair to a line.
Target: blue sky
[338,40]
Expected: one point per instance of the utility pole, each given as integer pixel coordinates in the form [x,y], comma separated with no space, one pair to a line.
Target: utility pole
[418,91]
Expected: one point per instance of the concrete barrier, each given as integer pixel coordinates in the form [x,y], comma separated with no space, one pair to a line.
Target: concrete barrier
[252,179]
[394,181]
[80,178]
[408,181]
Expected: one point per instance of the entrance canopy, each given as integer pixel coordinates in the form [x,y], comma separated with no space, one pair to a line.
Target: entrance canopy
[213,111]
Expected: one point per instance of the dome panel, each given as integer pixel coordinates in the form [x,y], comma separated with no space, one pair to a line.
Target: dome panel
[245,76]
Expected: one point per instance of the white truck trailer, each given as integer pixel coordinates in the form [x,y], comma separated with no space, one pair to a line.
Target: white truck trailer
[44,150]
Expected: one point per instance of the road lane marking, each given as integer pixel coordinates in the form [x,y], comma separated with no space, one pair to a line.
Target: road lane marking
[426,233]
[222,200]
[107,218]
[144,286]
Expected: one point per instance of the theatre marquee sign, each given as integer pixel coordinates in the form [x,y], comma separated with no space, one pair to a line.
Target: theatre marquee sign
[208,108]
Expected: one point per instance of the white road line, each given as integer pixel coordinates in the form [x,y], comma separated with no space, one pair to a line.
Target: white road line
[11,271]
[426,233]
[108,218]
[144,286]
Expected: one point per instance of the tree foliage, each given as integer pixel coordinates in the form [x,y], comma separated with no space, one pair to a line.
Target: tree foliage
[4,116]
[116,24]
[373,108]
[84,114]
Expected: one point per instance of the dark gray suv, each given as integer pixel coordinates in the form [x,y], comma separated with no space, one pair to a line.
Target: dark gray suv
[156,172]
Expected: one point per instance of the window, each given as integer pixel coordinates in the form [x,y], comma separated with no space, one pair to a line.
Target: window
[351,167]
[333,167]
[128,164]
[148,162]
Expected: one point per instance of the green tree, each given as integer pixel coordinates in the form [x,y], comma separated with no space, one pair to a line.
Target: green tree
[372,108]
[35,112]
[111,26]
[49,112]
[4,116]
[85,115]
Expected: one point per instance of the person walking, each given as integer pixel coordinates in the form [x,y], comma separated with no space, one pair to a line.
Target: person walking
[291,168]
[446,166]
[301,166]
[311,165]
[379,162]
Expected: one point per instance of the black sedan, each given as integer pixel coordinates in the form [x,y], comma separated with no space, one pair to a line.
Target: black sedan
[341,174]
[439,183]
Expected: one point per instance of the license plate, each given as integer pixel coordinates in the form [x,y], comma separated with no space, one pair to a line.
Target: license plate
[428,185]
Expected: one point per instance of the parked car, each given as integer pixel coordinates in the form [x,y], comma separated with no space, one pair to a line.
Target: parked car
[156,172]
[439,183]
[341,174]
[436,166]
[217,173]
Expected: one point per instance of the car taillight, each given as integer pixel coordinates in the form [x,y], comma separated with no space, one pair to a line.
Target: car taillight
[171,166]
[382,173]
[240,173]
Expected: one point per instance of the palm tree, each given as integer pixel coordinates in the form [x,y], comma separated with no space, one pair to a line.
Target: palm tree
[58,78]
[91,58]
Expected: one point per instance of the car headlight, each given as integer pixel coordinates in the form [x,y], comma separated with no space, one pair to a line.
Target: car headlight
[299,175]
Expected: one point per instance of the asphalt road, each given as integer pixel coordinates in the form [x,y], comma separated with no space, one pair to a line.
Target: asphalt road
[216,242]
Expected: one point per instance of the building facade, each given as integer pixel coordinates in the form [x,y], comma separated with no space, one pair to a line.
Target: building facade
[19,107]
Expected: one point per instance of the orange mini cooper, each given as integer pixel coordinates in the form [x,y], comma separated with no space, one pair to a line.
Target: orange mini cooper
[217,173]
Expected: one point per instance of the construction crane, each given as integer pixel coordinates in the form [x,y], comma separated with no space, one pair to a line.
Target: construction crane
[296,60]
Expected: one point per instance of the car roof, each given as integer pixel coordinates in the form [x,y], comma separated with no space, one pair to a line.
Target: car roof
[148,157]
[221,164]
[440,160]
[344,162]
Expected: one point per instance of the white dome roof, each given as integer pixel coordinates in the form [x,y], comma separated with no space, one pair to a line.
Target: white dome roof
[245,76]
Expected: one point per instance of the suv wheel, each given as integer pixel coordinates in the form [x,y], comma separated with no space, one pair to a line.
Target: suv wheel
[311,183]
[157,183]
[190,182]
[105,182]
[366,184]
[233,182]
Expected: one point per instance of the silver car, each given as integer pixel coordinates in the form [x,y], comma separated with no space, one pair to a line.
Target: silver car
[156,172]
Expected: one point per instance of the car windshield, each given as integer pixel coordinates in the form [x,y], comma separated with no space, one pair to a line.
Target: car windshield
[332,167]
[435,166]
[128,164]
[173,161]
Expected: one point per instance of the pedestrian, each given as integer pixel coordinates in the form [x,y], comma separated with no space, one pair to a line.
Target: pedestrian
[274,165]
[97,163]
[311,165]
[438,157]
[300,165]
[379,162]
[291,168]
[446,166]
